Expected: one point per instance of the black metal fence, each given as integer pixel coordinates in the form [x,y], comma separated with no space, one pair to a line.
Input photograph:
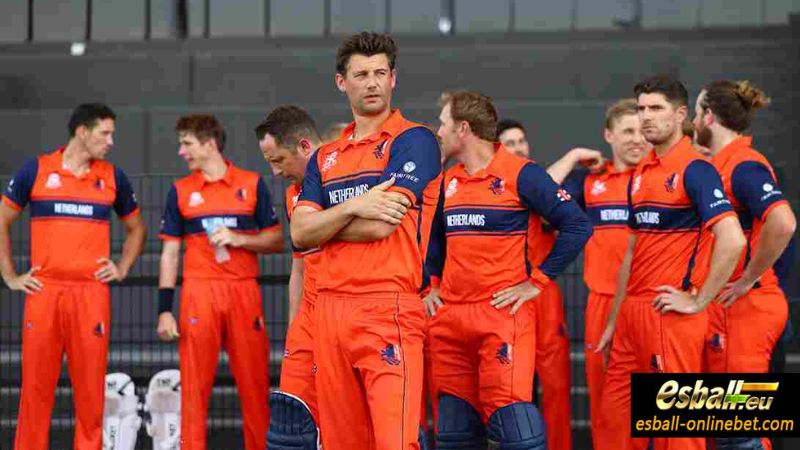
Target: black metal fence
[135,349]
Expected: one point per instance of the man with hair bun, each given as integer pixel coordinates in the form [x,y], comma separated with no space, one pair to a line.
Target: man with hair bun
[750,312]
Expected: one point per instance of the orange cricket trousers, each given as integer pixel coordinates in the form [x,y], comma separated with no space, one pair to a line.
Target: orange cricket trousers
[483,355]
[598,308]
[647,341]
[741,338]
[552,366]
[72,317]
[368,350]
[298,370]
[214,313]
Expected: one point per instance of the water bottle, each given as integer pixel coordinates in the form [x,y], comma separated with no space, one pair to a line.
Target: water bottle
[221,253]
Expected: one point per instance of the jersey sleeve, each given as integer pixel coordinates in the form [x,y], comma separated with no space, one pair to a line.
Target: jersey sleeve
[264,213]
[547,199]
[18,192]
[311,193]
[125,202]
[629,197]
[172,224]
[437,247]
[704,188]
[414,161]
[755,188]
[574,184]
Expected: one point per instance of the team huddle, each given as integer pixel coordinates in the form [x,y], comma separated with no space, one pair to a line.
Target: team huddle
[423,269]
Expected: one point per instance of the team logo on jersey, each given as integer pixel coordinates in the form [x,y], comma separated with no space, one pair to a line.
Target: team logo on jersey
[497,186]
[258,323]
[451,188]
[656,363]
[409,167]
[717,343]
[391,355]
[196,199]
[563,195]
[718,193]
[29,325]
[330,161]
[378,152]
[504,353]
[99,184]
[313,368]
[598,187]
[53,181]
[241,194]
[672,182]
[193,321]
[637,183]
[286,352]
[767,187]
[100,329]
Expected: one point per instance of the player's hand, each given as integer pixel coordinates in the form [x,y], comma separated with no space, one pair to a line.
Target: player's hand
[589,158]
[108,272]
[26,282]
[432,302]
[167,327]
[671,299]
[606,340]
[515,295]
[225,237]
[380,204]
[734,291]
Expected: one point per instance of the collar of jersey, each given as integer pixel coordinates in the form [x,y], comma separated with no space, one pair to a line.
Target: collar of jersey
[609,171]
[496,167]
[200,180]
[730,150]
[389,128]
[91,174]
[679,152]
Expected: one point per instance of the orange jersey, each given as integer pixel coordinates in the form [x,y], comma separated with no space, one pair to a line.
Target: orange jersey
[310,257]
[196,207]
[70,215]
[751,186]
[344,169]
[604,197]
[673,200]
[485,221]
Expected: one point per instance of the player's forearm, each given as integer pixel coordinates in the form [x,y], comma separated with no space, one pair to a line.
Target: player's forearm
[132,247]
[311,229]
[728,247]
[295,287]
[270,241]
[168,270]
[773,238]
[7,267]
[622,280]
[365,230]
[560,169]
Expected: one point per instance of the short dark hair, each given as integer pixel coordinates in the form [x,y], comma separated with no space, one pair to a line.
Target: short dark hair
[203,127]
[368,44]
[87,114]
[734,102]
[474,108]
[507,124]
[673,90]
[288,124]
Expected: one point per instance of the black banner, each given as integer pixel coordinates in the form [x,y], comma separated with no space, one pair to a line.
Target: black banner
[715,405]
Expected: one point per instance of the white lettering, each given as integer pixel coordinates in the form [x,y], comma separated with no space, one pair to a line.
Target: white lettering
[607,215]
[73,209]
[475,220]
[337,196]
[649,217]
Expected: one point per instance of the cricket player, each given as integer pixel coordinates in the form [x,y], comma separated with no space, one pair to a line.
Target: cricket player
[225,217]
[482,338]
[287,138]
[362,204]
[603,194]
[676,206]
[552,339]
[72,192]
[751,311]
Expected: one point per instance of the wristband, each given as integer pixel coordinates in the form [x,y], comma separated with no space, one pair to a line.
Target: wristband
[165,297]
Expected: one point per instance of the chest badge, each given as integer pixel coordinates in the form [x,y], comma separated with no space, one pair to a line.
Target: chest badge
[497,186]
[451,188]
[99,184]
[378,152]
[241,194]
[196,199]
[330,161]
[672,182]
[637,183]
[53,181]
[598,187]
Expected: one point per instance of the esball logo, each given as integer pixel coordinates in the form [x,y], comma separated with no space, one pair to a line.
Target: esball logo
[735,396]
